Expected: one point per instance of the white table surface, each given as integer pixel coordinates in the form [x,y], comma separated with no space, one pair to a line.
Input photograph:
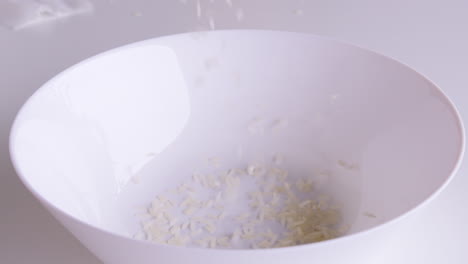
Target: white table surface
[428,35]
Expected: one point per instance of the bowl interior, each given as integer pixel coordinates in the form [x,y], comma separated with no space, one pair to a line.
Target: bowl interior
[102,138]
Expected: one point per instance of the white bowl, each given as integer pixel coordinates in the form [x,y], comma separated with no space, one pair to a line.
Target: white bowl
[157,109]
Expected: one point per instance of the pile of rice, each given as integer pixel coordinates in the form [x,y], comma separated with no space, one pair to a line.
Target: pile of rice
[253,207]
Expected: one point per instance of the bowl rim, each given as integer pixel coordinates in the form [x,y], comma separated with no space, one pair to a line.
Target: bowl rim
[115,235]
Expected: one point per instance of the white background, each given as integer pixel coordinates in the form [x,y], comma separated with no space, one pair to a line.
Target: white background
[428,35]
